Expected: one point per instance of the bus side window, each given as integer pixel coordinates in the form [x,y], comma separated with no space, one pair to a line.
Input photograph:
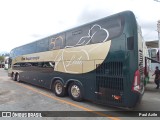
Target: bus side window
[42,45]
[48,64]
[40,64]
[130,43]
[28,65]
[22,64]
[34,64]
[16,65]
[45,64]
[57,42]
[52,64]
[78,36]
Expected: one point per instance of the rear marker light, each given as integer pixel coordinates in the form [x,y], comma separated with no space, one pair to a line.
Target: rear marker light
[116,97]
[136,82]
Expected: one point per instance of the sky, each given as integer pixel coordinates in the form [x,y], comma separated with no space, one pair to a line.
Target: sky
[24,21]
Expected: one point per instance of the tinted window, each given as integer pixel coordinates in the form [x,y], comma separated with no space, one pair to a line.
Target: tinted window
[107,29]
[130,43]
[29,48]
[99,34]
[78,36]
[57,42]
[153,53]
[42,45]
[16,65]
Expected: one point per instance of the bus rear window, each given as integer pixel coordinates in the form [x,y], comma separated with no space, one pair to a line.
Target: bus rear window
[114,27]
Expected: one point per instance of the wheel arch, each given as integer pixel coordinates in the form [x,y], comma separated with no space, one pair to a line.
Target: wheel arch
[78,83]
[54,79]
[14,75]
[73,80]
[14,72]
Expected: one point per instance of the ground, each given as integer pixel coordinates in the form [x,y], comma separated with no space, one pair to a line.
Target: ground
[16,96]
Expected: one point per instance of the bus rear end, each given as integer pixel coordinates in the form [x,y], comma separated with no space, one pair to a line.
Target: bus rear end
[134,71]
[134,84]
[138,81]
[119,80]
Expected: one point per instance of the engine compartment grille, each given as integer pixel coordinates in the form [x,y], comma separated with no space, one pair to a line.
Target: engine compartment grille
[109,82]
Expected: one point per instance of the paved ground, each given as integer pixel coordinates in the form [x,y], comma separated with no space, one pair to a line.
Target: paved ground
[151,98]
[16,96]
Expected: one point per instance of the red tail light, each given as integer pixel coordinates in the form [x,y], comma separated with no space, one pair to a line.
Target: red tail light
[136,82]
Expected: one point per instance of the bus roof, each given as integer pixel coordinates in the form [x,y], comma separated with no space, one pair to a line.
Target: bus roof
[107,17]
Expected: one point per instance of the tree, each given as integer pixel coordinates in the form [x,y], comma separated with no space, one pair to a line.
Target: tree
[157,0]
[1,59]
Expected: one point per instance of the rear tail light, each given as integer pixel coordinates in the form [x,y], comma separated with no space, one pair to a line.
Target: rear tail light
[116,97]
[136,82]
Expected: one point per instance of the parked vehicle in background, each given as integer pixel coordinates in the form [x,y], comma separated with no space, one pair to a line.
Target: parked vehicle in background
[6,62]
[1,65]
[154,54]
[146,63]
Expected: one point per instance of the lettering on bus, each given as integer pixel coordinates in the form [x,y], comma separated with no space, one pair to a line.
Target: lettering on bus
[74,61]
[30,58]
[77,32]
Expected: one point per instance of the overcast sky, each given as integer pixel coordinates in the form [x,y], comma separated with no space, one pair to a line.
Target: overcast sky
[24,21]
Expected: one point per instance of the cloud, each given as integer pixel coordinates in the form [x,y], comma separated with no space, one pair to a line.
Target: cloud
[28,20]
[37,36]
[88,15]
[149,30]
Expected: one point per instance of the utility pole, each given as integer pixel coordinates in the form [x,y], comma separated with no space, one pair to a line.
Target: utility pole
[158,30]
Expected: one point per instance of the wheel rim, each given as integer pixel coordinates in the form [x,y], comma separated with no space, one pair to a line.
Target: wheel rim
[58,88]
[18,78]
[75,91]
[13,77]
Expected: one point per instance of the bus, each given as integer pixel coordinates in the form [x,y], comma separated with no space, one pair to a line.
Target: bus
[154,55]
[101,61]
[6,61]
[146,63]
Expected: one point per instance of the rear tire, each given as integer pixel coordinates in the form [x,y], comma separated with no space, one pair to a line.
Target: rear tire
[17,78]
[59,89]
[13,77]
[75,91]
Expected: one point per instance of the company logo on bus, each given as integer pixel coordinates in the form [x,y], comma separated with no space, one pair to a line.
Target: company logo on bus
[30,58]
[23,58]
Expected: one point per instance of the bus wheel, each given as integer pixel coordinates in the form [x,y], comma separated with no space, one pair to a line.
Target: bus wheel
[17,78]
[13,77]
[58,88]
[75,91]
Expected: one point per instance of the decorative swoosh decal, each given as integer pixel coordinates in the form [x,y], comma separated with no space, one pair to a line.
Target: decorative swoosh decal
[72,59]
[81,59]
[76,59]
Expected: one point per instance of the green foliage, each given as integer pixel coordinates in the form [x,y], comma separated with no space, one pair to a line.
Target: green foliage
[1,59]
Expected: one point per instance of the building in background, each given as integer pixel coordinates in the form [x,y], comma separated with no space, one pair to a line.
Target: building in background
[154,48]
